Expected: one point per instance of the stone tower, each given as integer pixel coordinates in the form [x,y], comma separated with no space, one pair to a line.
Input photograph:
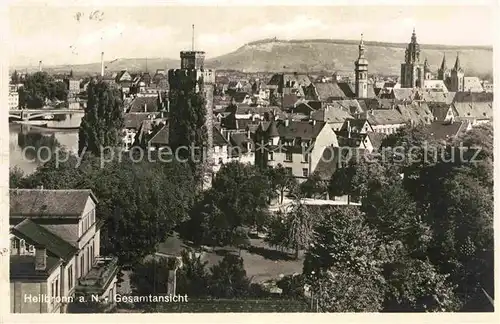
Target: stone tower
[457,77]
[412,72]
[443,72]
[192,70]
[361,71]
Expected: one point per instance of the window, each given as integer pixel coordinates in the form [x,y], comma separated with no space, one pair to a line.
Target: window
[305,158]
[270,156]
[89,263]
[82,265]
[14,244]
[57,287]
[52,291]
[305,172]
[289,156]
[70,277]
[288,170]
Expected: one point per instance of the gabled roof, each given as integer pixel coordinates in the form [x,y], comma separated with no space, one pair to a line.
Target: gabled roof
[218,139]
[49,203]
[161,137]
[327,164]
[240,140]
[386,117]
[134,120]
[303,129]
[331,115]
[138,103]
[376,139]
[444,131]
[436,96]
[355,124]
[476,110]
[289,100]
[328,91]
[39,236]
[347,89]
[473,84]
[439,110]
[402,94]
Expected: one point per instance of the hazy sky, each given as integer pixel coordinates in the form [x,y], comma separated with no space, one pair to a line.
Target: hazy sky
[55,35]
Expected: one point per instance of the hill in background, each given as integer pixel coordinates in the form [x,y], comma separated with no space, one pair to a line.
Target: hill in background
[311,56]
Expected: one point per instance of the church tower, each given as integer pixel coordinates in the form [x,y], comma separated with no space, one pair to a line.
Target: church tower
[457,77]
[412,74]
[361,70]
[443,72]
[193,72]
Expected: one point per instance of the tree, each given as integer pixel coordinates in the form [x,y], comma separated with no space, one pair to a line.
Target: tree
[415,285]
[39,87]
[16,177]
[130,230]
[281,181]
[339,290]
[103,123]
[293,228]
[187,120]
[70,73]
[314,187]
[229,278]
[343,240]
[151,276]
[14,79]
[192,277]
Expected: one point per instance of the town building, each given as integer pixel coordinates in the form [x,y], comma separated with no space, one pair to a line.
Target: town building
[412,71]
[55,251]
[13,100]
[296,145]
[73,86]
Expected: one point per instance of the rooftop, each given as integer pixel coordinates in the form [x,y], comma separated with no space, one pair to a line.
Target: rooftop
[49,202]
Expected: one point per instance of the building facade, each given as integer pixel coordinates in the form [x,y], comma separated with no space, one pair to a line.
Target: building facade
[55,251]
[412,72]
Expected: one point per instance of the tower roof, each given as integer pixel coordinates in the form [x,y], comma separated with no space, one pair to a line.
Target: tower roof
[457,66]
[361,58]
[413,36]
[272,131]
[443,64]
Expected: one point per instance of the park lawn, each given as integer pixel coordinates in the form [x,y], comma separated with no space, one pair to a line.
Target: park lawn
[261,261]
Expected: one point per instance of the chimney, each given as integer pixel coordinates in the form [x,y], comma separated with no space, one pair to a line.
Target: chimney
[40,66]
[102,64]
[348,129]
[287,122]
[40,258]
[145,107]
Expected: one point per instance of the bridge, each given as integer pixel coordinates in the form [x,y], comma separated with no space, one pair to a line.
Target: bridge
[28,114]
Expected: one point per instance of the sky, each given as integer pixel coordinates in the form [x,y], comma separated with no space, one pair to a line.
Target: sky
[59,35]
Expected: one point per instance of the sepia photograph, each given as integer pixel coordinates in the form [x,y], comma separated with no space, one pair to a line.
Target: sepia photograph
[176,158]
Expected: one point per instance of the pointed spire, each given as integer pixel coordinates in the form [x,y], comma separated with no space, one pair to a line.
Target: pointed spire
[413,36]
[443,64]
[457,63]
[361,48]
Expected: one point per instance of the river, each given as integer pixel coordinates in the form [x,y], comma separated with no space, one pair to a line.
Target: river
[23,137]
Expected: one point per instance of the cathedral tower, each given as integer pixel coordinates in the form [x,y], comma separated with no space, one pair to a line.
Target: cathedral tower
[457,77]
[443,72]
[412,72]
[427,70]
[361,70]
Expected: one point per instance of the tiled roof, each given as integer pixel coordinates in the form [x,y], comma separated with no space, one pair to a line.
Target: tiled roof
[134,120]
[355,124]
[46,202]
[328,91]
[436,96]
[327,164]
[350,140]
[376,139]
[39,236]
[303,129]
[476,110]
[23,267]
[161,137]
[289,100]
[138,103]
[435,84]
[439,110]
[218,139]
[401,94]
[386,117]
[443,131]
[473,97]
[348,89]
[240,140]
[331,115]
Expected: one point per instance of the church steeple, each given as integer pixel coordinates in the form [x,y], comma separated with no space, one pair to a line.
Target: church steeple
[457,66]
[413,36]
[443,64]
[426,66]
[361,48]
